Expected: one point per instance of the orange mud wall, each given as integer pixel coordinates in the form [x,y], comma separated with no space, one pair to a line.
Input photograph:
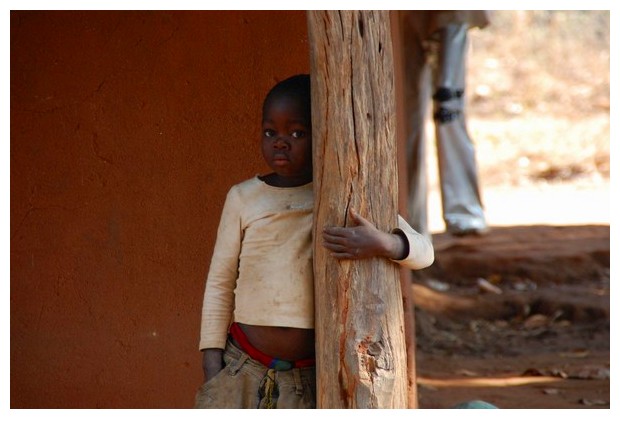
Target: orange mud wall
[127,129]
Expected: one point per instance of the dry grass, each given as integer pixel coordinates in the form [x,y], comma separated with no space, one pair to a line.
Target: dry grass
[538,106]
[526,149]
[547,62]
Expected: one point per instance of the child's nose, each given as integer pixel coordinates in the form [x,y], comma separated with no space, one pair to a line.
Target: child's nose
[280,143]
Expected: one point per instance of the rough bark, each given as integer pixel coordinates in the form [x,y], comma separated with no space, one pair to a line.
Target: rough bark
[401,140]
[361,357]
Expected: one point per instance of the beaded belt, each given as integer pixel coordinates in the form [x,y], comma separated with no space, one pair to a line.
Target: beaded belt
[269,361]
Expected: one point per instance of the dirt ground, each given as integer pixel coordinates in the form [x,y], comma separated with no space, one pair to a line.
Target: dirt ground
[518,318]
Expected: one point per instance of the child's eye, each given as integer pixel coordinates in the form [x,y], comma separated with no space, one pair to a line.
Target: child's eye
[269,133]
[298,134]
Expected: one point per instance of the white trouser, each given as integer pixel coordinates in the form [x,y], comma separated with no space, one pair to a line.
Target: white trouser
[430,65]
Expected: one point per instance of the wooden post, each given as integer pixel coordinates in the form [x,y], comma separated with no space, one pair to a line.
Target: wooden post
[361,356]
[401,139]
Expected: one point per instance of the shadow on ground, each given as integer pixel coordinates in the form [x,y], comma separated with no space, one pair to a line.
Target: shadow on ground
[518,317]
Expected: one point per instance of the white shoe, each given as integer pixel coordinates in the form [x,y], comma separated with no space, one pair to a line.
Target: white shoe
[473,227]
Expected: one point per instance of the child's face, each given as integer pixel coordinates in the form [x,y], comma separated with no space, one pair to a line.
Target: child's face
[287,138]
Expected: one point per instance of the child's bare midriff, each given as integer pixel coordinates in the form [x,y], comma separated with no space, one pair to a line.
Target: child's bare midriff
[283,343]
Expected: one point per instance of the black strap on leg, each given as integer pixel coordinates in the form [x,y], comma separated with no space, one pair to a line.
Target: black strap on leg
[443,115]
[444,94]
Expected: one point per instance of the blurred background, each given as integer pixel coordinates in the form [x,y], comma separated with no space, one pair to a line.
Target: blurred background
[538,113]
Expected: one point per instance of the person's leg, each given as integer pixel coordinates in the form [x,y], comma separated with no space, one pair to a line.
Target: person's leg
[458,174]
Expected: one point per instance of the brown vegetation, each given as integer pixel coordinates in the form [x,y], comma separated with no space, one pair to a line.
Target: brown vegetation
[540,96]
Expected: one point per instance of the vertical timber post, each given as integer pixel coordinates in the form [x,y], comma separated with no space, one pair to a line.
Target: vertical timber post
[360,341]
[401,139]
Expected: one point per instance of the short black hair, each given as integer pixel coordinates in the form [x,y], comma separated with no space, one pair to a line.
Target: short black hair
[298,87]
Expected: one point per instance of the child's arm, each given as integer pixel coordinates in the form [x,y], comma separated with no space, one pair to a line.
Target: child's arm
[218,303]
[363,240]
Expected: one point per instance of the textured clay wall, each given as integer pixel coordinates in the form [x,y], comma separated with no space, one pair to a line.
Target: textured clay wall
[127,129]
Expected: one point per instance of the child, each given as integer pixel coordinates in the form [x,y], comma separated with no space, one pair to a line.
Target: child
[260,277]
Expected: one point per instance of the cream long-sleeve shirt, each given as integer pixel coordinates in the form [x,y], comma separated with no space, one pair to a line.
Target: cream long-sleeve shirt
[261,269]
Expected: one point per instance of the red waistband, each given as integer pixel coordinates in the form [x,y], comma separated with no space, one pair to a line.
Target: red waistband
[268,361]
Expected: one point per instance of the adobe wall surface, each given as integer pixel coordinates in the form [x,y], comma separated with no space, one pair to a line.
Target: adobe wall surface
[127,129]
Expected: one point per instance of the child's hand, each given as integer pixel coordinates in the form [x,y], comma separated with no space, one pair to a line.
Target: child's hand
[212,362]
[362,240]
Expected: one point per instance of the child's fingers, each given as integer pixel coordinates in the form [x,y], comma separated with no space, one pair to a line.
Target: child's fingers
[343,255]
[333,234]
[359,220]
[339,251]
[333,247]
[333,230]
